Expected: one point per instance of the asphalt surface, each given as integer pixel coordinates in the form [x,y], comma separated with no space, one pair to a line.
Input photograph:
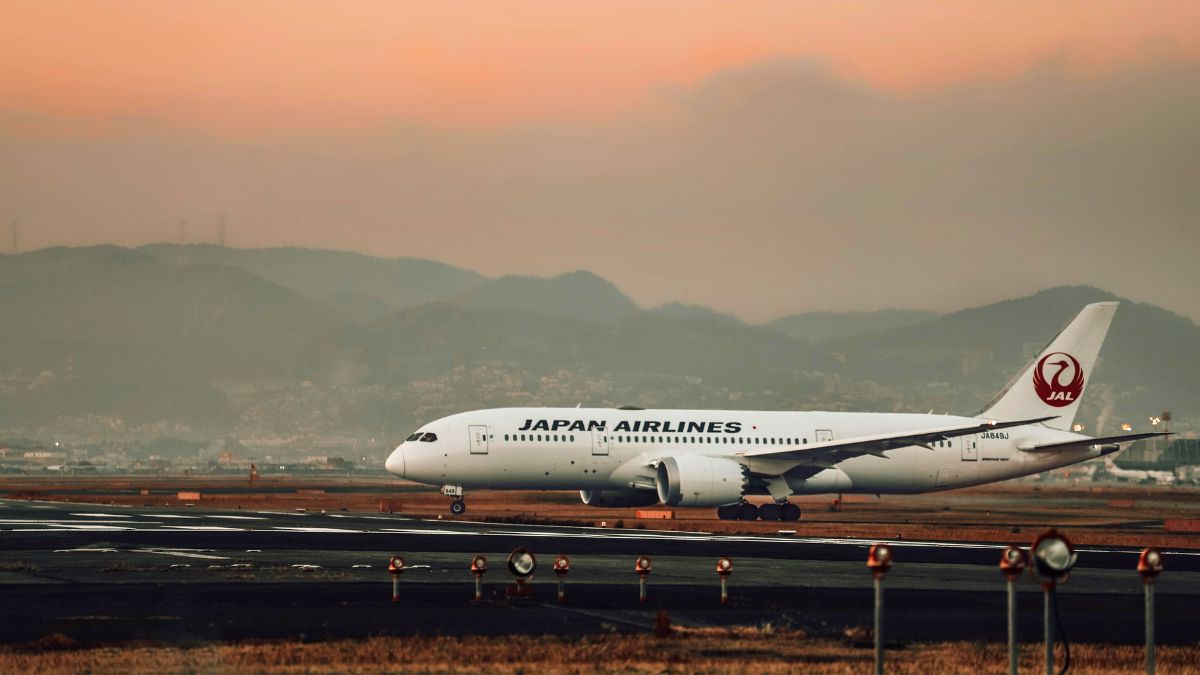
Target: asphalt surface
[98,573]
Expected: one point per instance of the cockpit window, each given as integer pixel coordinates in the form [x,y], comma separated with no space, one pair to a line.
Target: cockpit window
[428,438]
[414,437]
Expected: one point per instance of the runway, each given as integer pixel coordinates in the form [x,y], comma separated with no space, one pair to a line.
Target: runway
[106,572]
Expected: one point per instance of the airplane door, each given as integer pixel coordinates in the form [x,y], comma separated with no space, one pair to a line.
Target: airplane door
[479,439]
[970,448]
[824,435]
[599,442]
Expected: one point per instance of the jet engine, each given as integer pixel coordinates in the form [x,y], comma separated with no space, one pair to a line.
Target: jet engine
[618,498]
[697,480]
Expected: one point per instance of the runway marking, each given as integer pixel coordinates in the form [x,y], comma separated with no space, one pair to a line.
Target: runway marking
[182,554]
[239,517]
[172,515]
[101,515]
[205,528]
[282,513]
[85,528]
[85,550]
[334,530]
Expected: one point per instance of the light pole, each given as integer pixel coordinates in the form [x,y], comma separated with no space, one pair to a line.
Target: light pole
[1053,557]
[879,561]
[1150,564]
[1013,561]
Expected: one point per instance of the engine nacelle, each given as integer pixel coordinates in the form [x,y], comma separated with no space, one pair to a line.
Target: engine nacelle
[618,498]
[697,480]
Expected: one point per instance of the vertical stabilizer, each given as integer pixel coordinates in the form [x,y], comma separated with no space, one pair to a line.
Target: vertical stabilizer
[1053,383]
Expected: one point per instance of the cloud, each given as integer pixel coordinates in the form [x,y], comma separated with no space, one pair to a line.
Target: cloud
[761,190]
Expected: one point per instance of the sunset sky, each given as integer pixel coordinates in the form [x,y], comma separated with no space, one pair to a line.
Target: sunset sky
[758,157]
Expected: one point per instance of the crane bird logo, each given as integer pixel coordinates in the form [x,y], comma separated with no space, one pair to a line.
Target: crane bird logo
[1058,379]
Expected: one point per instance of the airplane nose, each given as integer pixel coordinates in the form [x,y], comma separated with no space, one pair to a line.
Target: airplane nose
[395,462]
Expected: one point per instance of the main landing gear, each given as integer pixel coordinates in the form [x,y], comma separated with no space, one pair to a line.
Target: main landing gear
[785,511]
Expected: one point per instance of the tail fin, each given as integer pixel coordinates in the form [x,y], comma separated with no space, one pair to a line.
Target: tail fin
[1053,383]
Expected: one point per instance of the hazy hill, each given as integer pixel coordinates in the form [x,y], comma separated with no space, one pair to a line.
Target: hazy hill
[122,333]
[577,295]
[821,326]
[433,339]
[1150,359]
[399,282]
[679,310]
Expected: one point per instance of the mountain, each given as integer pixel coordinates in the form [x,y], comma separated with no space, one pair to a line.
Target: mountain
[679,310]
[821,326]
[399,282]
[577,295]
[119,332]
[435,339]
[1150,359]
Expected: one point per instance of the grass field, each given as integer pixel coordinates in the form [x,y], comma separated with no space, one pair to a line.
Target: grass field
[685,651]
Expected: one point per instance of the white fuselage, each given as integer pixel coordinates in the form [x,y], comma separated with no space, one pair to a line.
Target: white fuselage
[613,449]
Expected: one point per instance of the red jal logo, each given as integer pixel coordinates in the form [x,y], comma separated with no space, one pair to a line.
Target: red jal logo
[1058,379]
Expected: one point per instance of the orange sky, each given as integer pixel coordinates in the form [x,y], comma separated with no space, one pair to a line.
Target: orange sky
[290,66]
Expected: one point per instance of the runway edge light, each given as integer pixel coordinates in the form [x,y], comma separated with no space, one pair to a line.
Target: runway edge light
[642,566]
[1013,562]
[724,569]
[1150,565]
[395,568]
[562,565]
[879,561]
[479,568]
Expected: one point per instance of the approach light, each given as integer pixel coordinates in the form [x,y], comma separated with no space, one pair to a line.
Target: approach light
[1013,561]
[396,564]
[879,559]
[642,565]
[1053,556]
[522,563]
[562,565]
[478,564]
[1150,564]
[724,566]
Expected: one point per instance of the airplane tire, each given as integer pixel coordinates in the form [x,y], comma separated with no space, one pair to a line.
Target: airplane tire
[458,507]
[747,512]
[789,512]
[769,512]
[728,512]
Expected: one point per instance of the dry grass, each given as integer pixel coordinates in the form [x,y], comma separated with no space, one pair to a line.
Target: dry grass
[687,651]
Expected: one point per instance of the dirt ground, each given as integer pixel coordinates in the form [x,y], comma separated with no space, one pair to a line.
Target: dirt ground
[736,650]
[1095,515]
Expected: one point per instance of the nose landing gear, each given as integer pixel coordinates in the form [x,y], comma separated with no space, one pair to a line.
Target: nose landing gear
[458,506]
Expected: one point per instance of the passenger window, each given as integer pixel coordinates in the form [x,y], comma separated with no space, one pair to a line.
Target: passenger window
[572,438]
[428,437]
[555,438]
[506,437]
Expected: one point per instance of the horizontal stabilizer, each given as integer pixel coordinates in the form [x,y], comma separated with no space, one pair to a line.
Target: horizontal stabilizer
[1089,442]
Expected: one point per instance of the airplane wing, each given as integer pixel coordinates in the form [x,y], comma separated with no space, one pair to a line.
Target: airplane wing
[1088,442]
[829,453]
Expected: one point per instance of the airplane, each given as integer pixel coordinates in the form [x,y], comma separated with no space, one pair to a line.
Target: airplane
[1138,476]
[626,457]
